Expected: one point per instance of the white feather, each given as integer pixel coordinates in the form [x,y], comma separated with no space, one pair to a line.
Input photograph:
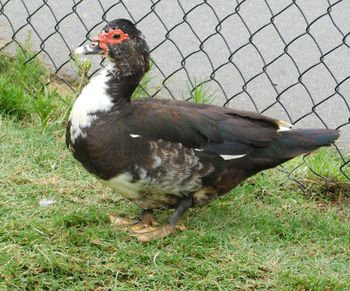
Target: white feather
[231,157]
[123,185]
[135,135]
[198,150]
[92,99]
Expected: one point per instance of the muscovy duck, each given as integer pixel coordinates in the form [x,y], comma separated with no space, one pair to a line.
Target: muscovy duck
[163,153]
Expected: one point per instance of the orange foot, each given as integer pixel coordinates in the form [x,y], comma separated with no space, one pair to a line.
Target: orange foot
[153,233]
[147,220]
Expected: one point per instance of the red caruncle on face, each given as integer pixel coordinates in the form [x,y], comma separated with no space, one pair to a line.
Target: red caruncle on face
[112,37]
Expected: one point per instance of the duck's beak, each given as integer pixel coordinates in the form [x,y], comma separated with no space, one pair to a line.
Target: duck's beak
[91,48]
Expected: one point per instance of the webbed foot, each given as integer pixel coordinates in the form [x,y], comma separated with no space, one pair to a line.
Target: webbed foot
[152,233]
[146,220]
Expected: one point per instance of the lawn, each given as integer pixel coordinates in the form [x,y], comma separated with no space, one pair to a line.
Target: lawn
[261,235]
[265,234]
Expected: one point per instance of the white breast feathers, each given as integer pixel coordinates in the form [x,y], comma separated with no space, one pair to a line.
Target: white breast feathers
[92,99]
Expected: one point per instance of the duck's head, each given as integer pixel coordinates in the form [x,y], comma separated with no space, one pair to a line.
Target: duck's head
[120,41]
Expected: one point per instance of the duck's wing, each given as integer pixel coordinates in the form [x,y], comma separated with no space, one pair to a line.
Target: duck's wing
[202,127]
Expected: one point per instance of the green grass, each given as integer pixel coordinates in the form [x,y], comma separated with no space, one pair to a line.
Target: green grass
[24,93]
[18,84]
[143,89]
[201,93]
[264,234]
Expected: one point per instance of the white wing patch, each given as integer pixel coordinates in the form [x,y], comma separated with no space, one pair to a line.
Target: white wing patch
[135,135]
[92,99]
[231,157]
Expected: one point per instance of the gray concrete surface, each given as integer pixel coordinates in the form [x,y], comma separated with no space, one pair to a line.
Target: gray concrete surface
[200,29]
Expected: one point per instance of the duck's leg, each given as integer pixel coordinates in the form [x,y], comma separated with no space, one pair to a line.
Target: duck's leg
[169,228]
[146,219]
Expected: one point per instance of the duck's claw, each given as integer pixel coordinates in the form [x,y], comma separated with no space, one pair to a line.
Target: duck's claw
[154,233]
[123,222]
[146,221]
[158,233]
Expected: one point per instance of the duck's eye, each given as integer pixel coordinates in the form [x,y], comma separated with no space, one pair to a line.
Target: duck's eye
[116,36]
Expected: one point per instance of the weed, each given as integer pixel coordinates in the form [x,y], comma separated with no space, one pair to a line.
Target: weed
[83,67]
[24,94]
[143,89]
[200,93]
[19,83]
[44,107]
[326,164]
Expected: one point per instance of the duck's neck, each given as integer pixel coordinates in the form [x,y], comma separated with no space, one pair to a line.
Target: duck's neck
[120,84]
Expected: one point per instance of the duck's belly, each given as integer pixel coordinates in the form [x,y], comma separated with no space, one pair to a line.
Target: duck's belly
[169,173]
[146,195]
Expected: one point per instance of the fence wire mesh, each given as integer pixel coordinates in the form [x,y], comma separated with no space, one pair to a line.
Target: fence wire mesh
[288,59]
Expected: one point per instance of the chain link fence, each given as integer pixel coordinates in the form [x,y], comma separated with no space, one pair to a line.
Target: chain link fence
[289,59]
